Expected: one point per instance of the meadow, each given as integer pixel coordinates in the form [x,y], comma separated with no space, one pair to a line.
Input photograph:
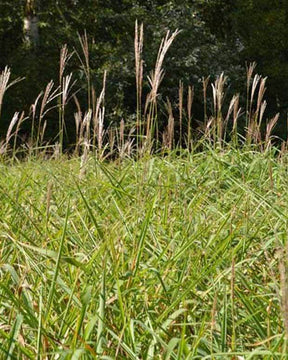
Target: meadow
[176,257]
[143,244]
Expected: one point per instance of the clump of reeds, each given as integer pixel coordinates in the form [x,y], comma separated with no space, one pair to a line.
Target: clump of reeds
[4,80]
[255,116]
[138,48]
[85,141]
[5,84]
[155,80]
[217,125]
[64,83]
[92,134]
[218,98]
[98,117]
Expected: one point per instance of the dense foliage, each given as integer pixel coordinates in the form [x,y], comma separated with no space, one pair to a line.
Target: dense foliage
[162,258]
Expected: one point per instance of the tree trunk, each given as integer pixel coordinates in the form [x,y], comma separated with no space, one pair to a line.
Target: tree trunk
[31,24]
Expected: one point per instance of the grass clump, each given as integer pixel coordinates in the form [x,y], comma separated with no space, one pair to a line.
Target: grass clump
[161,258]
[179,255]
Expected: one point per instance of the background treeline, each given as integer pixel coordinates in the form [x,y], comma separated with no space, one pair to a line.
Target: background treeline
[216,36]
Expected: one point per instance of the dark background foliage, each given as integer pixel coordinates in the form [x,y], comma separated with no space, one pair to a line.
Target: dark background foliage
[217,35]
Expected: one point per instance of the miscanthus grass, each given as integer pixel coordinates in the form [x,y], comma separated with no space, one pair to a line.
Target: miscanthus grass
[162,258]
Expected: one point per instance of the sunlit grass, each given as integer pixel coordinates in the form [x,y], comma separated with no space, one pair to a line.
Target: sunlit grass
[161,258]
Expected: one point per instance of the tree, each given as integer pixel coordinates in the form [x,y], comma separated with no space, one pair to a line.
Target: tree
[262,26]
[31,23]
